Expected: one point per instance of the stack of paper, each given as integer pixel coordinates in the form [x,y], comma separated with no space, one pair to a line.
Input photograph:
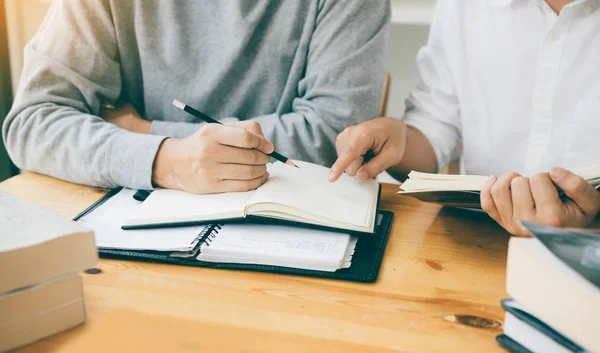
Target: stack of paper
[279,246]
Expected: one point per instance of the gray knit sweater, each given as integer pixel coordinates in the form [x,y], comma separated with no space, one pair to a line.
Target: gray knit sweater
[304,69]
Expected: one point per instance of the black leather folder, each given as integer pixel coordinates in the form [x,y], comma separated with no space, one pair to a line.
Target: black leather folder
[366,260]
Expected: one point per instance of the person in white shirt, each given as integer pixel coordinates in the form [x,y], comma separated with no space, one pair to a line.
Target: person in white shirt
[513,86]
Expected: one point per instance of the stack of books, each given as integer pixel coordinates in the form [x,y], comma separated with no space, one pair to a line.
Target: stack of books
[554,281]
[41,290]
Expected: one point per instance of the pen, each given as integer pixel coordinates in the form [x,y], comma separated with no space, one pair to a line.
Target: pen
[186,108]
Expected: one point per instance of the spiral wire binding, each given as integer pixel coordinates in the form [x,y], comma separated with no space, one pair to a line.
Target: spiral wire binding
[207,236]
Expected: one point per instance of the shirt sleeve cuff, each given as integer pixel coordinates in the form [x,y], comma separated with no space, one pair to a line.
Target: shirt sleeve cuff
[173,129]
[445,151]
[131,159]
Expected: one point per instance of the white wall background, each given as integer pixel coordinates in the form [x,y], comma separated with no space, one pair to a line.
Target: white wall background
[409,31]
[405,42]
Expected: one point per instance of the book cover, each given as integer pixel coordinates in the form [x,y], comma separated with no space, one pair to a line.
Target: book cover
[577,248]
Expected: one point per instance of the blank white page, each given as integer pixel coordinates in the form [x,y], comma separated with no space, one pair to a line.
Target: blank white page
[106,222]
[346,201]
[173,206]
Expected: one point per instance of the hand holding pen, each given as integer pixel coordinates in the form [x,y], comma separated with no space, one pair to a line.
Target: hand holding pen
[186,108]
[217,158]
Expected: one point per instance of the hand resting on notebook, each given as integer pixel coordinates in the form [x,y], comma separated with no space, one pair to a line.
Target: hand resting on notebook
[216,159]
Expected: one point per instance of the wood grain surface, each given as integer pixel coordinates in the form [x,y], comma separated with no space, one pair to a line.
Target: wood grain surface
[439,290]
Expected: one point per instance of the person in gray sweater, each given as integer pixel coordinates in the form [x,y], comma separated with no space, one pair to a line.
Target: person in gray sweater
[293,74]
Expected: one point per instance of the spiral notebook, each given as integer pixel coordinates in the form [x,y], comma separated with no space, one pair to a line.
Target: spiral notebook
[257,247]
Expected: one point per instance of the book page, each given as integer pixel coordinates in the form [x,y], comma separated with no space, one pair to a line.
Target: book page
[451,177]
[442,185]
[418,181]
[23,224]
[106,222]
[174,206]
[591,174]
[347,201]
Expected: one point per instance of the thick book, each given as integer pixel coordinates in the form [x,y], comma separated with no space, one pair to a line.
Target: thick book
[35,312]
[302,196]
[462,190]
[37,245]
[532,334]
[242,246]
[556,276]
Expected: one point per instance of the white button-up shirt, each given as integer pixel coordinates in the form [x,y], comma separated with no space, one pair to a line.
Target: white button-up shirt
[513,83]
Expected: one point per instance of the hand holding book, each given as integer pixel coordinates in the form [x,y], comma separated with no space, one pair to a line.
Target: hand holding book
[559,198]
[512,198]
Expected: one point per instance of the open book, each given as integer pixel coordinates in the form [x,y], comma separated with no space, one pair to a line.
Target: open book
[299,195]
[463,190]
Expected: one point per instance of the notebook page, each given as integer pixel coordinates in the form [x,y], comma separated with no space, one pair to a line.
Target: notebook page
[106,222]
[226,247]
[259,241]
[346,201]
[174,206]
[169,206]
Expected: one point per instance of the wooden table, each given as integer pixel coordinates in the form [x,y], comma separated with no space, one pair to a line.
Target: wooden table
[439,290]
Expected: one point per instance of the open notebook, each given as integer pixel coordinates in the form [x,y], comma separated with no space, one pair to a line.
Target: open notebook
[241,246]
[463,190]
[253,244]
[300,195]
